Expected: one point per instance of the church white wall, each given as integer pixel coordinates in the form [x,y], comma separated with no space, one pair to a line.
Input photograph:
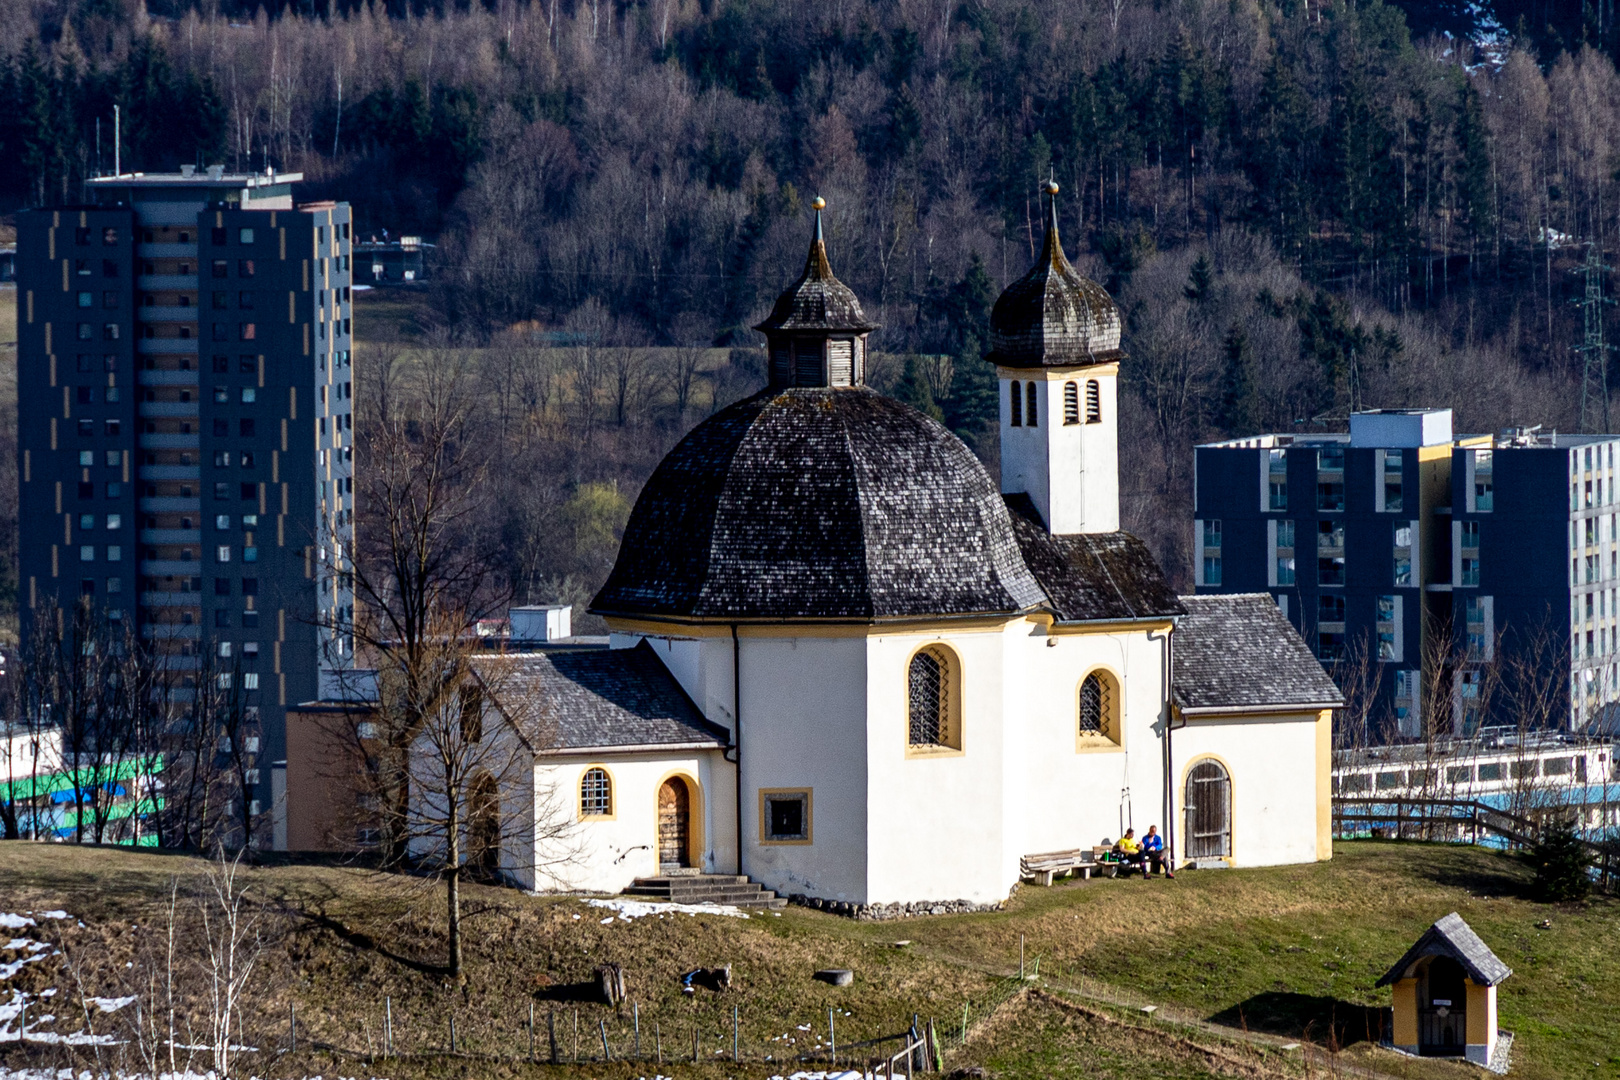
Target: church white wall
[804,706]
[1272,762]
[607,854]
[937,828]
[701,665]
[1073,797]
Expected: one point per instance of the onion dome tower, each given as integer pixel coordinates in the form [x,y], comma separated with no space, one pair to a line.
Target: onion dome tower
[816,333]
[818,498]
[1054,338]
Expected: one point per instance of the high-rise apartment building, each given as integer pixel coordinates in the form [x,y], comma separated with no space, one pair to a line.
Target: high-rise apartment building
[185,433]
[1376,540]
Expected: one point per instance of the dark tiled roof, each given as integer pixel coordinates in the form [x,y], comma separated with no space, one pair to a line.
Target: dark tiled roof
[1240,651]
[818,503]
[578,699]
[817,301]
[1053,316]
[1091,577]
[1452,937]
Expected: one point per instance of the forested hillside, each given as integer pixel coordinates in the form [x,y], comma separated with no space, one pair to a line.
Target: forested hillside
[1303,207]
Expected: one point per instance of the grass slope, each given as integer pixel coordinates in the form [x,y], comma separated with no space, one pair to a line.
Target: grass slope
[1278,950]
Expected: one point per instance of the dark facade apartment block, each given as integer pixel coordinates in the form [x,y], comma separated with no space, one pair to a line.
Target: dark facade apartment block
[184,427]
[1410,558]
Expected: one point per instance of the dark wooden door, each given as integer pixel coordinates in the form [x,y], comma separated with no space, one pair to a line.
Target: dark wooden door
[674,823]
[1209,811]
[1443,1009]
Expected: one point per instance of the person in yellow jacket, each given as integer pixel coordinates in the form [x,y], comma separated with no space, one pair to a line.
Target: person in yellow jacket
[1129,851]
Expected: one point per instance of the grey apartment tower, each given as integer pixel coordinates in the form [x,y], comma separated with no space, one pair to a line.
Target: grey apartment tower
[185,437]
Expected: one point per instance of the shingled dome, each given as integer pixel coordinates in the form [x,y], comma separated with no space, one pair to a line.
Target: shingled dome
[818,503]
[818,301]
[1052,316]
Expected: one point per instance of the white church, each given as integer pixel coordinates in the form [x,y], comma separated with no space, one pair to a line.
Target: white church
[849,665]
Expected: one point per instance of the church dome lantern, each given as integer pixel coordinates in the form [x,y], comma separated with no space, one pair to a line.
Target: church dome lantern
[816,333]
[1054,316]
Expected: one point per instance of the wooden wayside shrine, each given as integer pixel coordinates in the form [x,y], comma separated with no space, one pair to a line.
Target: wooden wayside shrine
[1445,994]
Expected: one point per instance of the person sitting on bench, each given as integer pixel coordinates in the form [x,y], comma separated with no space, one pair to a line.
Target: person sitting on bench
[1153,848]
[1129,852]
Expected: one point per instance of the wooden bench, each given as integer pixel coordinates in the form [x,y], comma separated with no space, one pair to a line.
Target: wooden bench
[1048,865]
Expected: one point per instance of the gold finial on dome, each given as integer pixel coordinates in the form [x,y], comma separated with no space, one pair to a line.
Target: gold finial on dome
[819,203]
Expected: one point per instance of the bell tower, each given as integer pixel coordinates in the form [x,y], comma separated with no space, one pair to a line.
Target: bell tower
[1055,342]
[816,333]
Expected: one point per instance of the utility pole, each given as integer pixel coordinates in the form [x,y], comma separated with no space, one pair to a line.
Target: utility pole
[1594,351]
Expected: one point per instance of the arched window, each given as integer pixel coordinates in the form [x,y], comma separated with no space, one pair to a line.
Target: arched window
[1029,404]
[1093,402]
[596,794]
[933,707]
[1209,811]
[1071,403]
[1097,718]
[1015,400]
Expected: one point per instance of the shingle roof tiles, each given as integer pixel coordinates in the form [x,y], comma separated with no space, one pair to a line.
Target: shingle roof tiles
[595,699]
[814,503]
[1053,315]
[1092,577]
[1240,651]
[1451,936]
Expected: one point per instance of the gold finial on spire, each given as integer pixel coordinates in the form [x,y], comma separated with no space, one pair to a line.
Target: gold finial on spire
[1051,187]
[819,203]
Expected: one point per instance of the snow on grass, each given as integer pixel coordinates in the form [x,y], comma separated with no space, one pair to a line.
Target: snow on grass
[637,909]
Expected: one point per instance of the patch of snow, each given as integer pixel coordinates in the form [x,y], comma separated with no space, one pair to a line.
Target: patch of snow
[108,1005]
[51,914]
[636,909]
[15,922]
[835,1074]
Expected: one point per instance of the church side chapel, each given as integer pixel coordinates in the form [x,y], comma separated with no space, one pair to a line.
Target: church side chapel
[848,665]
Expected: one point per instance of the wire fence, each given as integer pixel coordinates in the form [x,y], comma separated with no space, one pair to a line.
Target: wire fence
[569,1034]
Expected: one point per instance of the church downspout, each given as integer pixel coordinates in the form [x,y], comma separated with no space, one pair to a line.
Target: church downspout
[736,735]
[1169,728]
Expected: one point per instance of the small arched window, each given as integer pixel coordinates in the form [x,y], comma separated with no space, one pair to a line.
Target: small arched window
[1093,402]
[596,794]
[933,708]
[1015,400]
[1071,404]
[1029,404]
[1098,711]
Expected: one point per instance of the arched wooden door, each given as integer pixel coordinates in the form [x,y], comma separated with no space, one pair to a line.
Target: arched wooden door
[1209,812]
[674,824]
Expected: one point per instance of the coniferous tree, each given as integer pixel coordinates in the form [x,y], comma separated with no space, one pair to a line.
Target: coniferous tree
[1561,862]
[1240,398]
[914,391]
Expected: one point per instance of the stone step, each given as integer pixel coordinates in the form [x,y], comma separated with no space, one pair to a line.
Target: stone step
[732,889]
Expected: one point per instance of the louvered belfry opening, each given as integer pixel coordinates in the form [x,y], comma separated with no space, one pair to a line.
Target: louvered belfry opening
[817,330]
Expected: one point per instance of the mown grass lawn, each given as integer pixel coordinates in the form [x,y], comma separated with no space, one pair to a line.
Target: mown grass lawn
[1290,950]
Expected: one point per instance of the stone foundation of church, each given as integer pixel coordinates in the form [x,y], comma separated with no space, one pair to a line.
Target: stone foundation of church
[886,912]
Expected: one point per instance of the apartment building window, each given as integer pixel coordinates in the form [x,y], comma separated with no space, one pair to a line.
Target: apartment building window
[1477,623]
[1394,501]
[1330,552]
[1285,552]
[1277,479]
[1329,626]
[1403,552]
[1211,529]
[1388,628]
[1484,481]
[1330,478]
